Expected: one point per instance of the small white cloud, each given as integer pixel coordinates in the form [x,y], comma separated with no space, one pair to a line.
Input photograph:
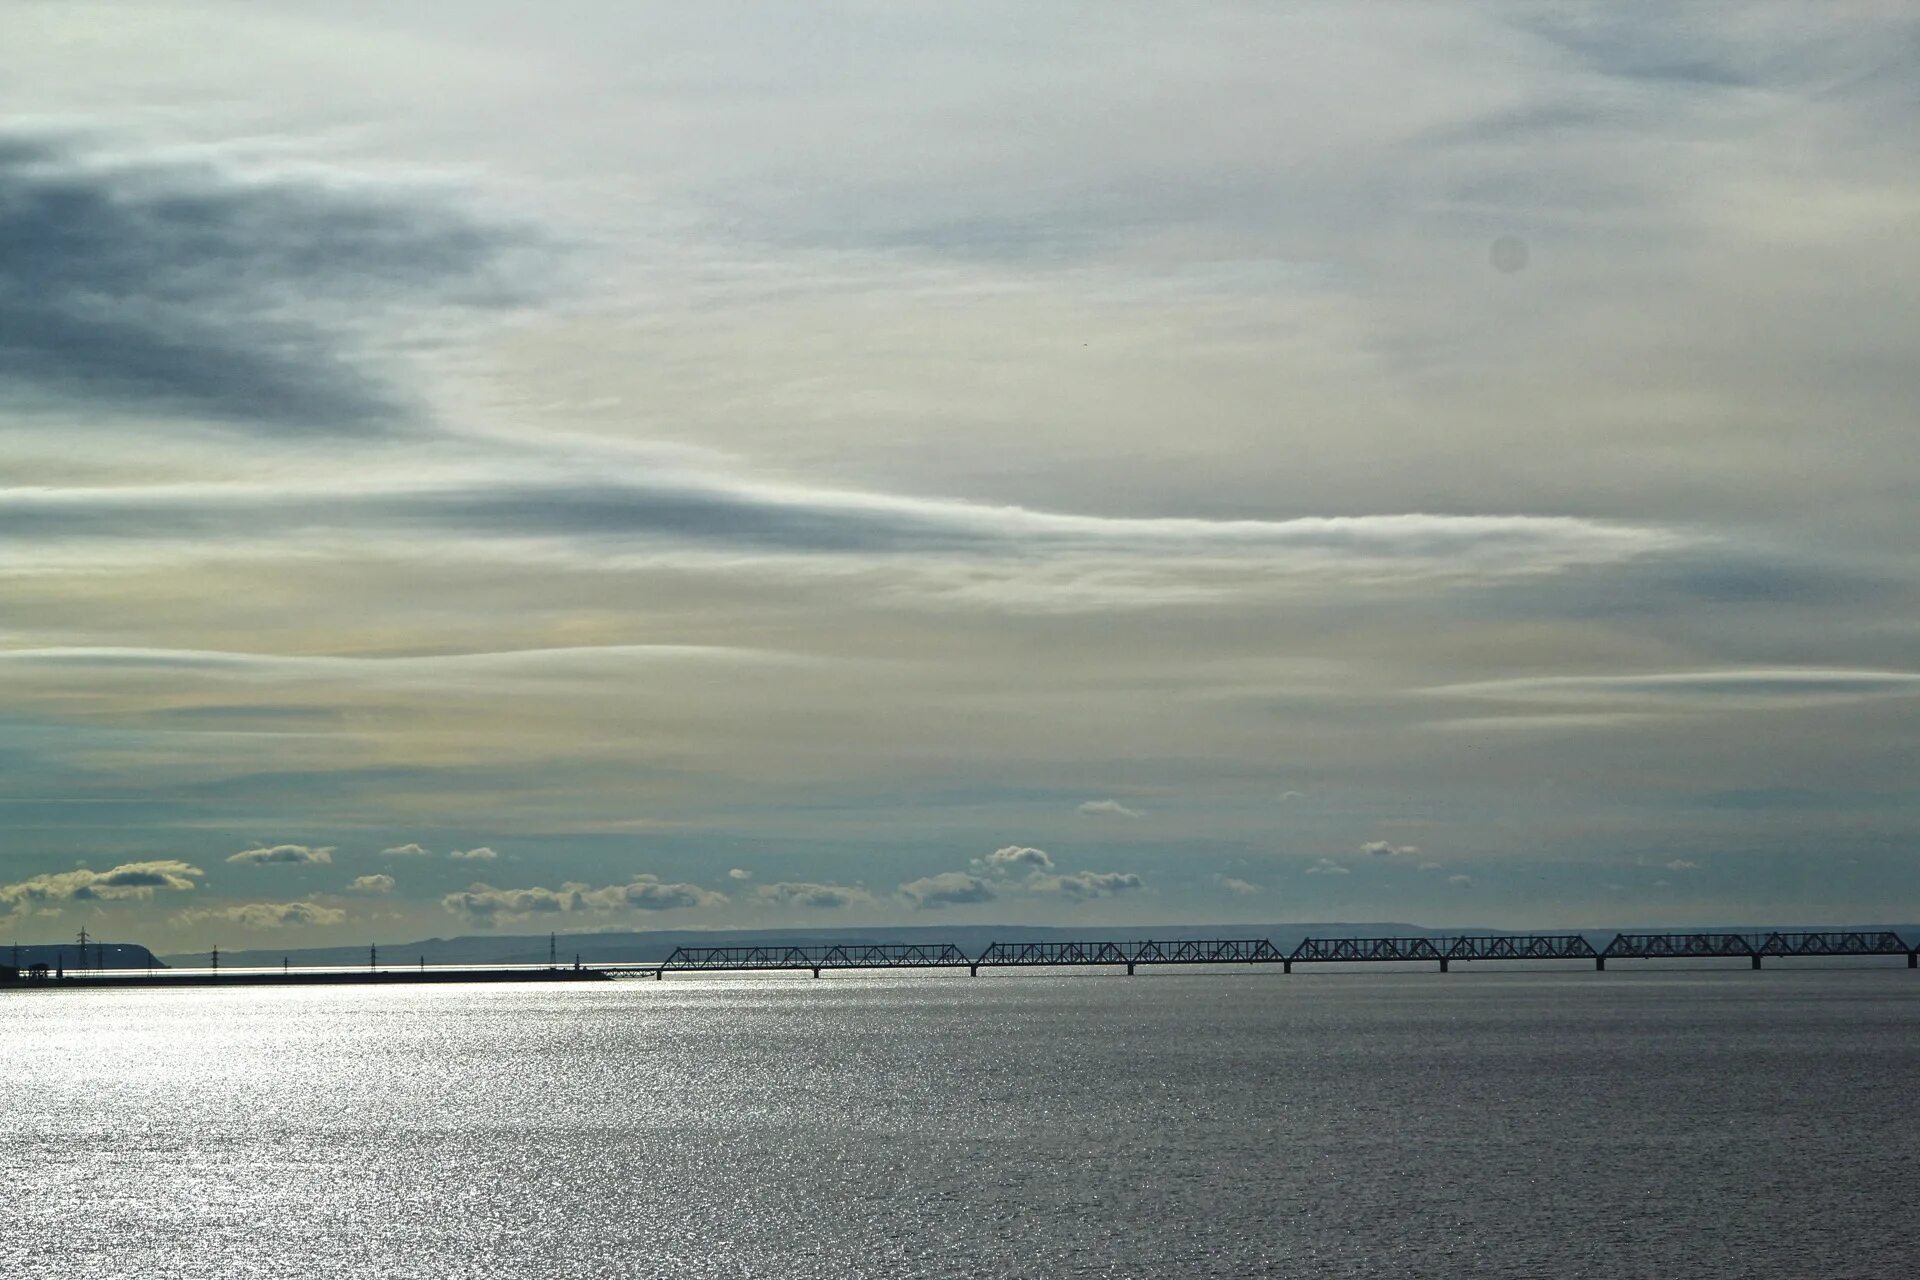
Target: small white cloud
[1327,867]
[1430,866]
[1682,864]
[371,884]
[739,873]
[408,850]
[284,853]
[1387,849]
[480,854]
[1018,856]
[1288,797]
[1460,882]
[948,889]
[1108,809]
[1239,888]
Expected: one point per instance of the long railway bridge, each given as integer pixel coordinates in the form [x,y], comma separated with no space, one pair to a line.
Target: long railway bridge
[1436,949]
[1440,950]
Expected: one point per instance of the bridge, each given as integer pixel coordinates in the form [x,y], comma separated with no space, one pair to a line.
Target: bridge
[1444,950]
[1439,949]
[1755,946]
[1185,951]
[736,959]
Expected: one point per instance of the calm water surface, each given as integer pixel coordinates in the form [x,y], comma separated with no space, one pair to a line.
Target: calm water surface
[1176,1124]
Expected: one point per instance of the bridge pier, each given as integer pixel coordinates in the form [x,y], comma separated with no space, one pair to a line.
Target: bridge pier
[973,971]
[816,971]
[1443,964]
[1129,968]
[1600,963]
[1756,960]
[1286,966]
[1913,959]
[659,975]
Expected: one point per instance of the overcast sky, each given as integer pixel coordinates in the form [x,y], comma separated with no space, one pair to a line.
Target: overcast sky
[477,466]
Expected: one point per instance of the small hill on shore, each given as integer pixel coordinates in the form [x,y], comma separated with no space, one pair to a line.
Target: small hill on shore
[67,955]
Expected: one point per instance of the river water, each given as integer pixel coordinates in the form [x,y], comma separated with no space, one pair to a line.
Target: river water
[1178,1124]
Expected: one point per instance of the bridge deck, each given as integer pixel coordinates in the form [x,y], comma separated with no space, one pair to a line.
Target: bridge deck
[1179,951]
[1753,946]
[1442,950]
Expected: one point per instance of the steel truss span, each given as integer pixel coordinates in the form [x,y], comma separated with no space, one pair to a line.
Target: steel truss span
[839,956]
[1754,946]
[1184,951]
[1438,949]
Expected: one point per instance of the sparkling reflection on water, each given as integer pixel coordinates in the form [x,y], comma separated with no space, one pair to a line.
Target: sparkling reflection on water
[1080,1124]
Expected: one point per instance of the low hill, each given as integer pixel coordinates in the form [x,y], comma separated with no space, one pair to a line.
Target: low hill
[67,955]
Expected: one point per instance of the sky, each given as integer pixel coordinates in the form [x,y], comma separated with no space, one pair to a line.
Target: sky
[485,467]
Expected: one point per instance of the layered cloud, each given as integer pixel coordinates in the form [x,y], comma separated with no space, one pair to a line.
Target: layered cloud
[947,889]
[719,523]
[1083,886]
[129,880]
[818,897]
[1001,878]
[264,915]
[646,893]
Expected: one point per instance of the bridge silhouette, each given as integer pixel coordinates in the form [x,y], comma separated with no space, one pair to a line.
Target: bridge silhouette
[1437,949]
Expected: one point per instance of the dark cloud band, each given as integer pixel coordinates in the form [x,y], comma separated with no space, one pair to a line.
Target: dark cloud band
[175,290]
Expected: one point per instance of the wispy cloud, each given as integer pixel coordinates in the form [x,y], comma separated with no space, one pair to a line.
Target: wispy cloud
[694,518]
[1388,849]
[1327,867]
[1108,809]
[1743,687]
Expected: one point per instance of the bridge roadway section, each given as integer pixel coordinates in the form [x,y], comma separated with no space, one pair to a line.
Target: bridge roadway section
[1438,949]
